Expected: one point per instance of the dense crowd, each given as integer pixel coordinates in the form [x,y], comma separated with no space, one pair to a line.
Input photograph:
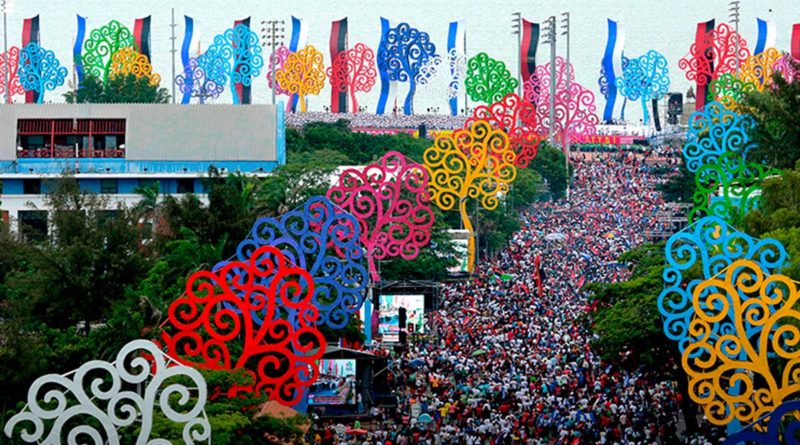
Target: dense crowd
[508,362]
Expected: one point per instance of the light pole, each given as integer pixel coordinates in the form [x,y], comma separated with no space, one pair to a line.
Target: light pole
[516,28]
[550,38]
[272,37]
[734,16]
[565,142]
[4,5]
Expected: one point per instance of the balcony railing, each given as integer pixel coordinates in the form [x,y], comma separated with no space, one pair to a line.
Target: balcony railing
[70,153]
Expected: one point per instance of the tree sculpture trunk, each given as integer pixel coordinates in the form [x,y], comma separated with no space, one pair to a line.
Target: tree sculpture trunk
[462,208]
[409,105]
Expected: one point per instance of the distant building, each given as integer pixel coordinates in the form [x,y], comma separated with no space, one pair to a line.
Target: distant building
[113,149]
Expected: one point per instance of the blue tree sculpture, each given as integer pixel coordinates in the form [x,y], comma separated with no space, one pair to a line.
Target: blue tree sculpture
[714,131]
[402,54]
[602,83]
[708,246]
[323,239]
[202,78]
[781,428]
[39,70]
[645,78]
[237,54]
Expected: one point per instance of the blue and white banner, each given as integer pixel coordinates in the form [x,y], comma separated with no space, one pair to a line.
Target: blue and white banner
[76,50]
[455,50]
[612,65]
[386,84]
[766,36]
[188,35]
[297,42]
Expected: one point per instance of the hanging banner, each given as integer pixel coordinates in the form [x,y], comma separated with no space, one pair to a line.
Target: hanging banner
[188,33]
[141,36]
[298,41]
[385,82]
[656,119]
[30,34]
[76,50]
[766,36]
[243,90]
[338,44]
[612,66]
[455,49]
[527,49]
[795,47]
[703,41]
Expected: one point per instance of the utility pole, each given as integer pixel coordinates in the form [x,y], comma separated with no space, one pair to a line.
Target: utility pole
[466,99]
[550,38]
[516,28]
[272,36]
[734,16]
[565,142]
[173,25]
[4,4]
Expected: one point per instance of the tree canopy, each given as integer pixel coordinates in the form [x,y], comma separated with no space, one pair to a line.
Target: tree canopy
[123,88]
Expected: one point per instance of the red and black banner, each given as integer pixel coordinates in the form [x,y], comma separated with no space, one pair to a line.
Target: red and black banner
[242,90]
[338,44]
[527,49]
[30,34]
[702,43]
[796,41]
[141,36]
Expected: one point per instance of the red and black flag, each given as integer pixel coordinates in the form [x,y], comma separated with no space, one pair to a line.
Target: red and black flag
[242,90]
[30,34]
[338,44]
[527,49]
[141,36]
[703,43]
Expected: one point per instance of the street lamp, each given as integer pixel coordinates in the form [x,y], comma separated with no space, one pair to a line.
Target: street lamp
[565,142]
[5,5]
[550,38]
[733,8]
[516,28]
[272,35]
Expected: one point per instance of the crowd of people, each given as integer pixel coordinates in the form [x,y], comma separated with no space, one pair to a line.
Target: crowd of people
[508,362]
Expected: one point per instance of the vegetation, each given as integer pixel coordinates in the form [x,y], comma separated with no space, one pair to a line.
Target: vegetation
[777,132]
[120,89]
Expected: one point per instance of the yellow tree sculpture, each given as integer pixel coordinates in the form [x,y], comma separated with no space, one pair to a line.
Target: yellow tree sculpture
[129,61]
[476,163]
[754,75]
[303,73]
[743,358]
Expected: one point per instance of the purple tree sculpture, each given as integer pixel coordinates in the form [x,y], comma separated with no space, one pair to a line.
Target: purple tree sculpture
[196,82]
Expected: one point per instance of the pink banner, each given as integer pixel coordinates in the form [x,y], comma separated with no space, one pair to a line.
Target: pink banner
[613,139]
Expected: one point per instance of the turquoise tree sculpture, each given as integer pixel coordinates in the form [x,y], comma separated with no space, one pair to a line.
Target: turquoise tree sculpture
[39,70]
[235,57]
[645,78]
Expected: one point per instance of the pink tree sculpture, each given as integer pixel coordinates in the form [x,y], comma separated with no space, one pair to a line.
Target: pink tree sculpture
[391,203]
[788,67]
[575,111]
[353,70]
[10,62]
[716,55]
[276,59]
[517,118]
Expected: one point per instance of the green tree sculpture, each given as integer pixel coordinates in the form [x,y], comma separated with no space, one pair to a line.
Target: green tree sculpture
[101,46]
[488,80]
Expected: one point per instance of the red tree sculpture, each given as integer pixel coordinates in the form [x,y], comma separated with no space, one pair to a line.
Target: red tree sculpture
[353,70]
[10,62]
[517,118]
[715,56]
[217,309]
[391,203]
[575,111]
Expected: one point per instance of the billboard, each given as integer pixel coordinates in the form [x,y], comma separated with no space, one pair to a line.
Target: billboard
[336,384]
[459,239]
[389,322]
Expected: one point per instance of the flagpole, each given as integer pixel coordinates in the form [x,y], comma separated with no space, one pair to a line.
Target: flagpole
[4,5]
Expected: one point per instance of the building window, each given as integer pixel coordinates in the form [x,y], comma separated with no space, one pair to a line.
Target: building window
[149,183]
[33,225]
[186,185]
[109,186]
[32,186]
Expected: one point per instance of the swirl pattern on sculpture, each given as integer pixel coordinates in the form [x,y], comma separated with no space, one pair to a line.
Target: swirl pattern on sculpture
[403,52]
[488,80]
[39,70]
[238,53]
[517,118]
[303,73]
[714,131]
[197,82]
[10,61]
[101,46]
[782,427]
[353,70]
[390,201]
[93,403]
[716,55]
[645,78]
[129,61]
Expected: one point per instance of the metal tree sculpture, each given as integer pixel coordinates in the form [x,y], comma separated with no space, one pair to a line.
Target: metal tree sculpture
[324,240]
[353,70]
[488,80]
[707,246]
[197,82]
[575,111]
[390,201]
[788,67]
[128,61]
[101,46]
[517,118]
[430,73]
[277,59]
[731,374]
[10,61]
[714,131]
[39,70]
[279,357]
[781,427]
[303,73]
[729,91]
[238,52]
[403,52]
[94,403]
[645,78]
[458,73]
[476,163]
[756,73]
[716,55]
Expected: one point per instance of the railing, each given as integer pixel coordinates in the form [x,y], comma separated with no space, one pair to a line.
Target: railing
[70,153]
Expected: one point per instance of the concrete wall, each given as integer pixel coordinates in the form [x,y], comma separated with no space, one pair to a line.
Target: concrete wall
[167,132]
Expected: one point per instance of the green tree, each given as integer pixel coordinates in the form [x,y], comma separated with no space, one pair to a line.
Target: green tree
[777,132]
[678,188]
[779,207]
[120,89]
[549,163]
